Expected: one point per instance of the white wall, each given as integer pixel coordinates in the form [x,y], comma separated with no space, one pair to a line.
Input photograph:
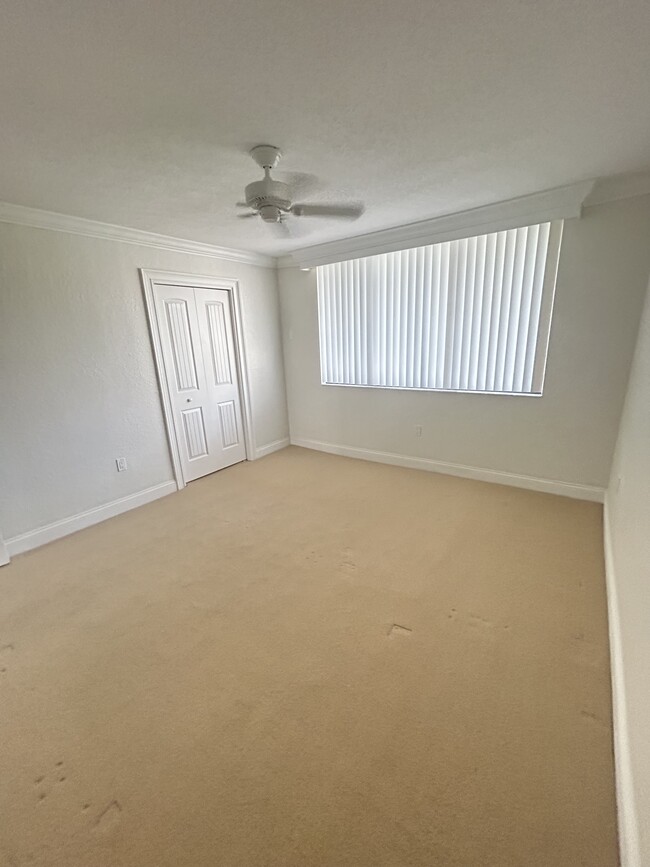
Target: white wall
[628,522]
[566,435]
[78,386]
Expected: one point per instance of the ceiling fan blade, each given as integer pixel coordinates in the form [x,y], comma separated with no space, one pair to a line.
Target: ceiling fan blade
[334,212]
[246,216]
[241,205]
[301,183]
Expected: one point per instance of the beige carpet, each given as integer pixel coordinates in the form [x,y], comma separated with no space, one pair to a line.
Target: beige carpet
[310,661]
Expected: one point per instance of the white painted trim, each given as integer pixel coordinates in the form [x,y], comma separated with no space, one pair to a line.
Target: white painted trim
[628,829]
[515,480]
[242,370]
[22,216]
[560,203]
[617,187]
[150,279]
[50,532]
[275,446]
[4,553]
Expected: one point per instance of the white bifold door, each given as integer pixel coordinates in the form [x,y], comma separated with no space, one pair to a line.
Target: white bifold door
[196,333]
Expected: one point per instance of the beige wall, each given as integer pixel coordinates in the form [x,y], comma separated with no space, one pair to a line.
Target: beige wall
[566,435]
[628,508]
[78,386]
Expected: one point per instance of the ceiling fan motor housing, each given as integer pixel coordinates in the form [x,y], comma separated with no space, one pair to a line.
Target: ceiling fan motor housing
[270,214]
[268,193]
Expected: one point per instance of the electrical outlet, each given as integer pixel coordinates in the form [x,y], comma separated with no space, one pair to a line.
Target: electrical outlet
[121,464]
[418,430]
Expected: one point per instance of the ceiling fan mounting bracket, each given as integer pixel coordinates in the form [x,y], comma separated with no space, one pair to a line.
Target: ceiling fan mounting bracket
[266,156]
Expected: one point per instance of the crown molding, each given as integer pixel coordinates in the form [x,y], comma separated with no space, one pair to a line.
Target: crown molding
[289,260]
[617,187]
[556,204]
[37,219]
[559,203]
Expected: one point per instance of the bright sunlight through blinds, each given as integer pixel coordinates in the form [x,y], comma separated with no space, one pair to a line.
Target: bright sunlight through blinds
[466,315]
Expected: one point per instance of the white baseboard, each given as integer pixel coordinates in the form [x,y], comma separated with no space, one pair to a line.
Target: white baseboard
[628,829]
[547,486]
[43,535]
[4,553]
[275,446]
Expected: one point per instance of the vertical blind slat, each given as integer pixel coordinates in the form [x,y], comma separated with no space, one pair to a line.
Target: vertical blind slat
[459,315]
[468,314]
[477,314]
[451,275]
[521,253]
[504,312]
[536,306]
[425,330]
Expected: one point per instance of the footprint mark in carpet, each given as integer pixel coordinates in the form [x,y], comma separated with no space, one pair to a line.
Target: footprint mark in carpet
[480,625]
[5,651]
[46,783]
[479,622]
[592,717]
[347,564]
[109,817]
[396,630]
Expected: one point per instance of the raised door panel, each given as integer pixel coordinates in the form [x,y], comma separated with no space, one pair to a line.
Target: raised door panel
[194,429]
[180,338]
[219,348]
[228,420]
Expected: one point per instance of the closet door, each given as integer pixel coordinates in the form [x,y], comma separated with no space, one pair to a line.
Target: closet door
[200,365]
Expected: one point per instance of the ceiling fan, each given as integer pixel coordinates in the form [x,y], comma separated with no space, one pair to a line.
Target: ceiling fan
[272,200]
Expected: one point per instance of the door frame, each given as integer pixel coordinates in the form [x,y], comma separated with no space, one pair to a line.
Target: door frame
[151,279]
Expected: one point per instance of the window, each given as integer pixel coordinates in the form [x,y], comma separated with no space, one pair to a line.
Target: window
[467,315]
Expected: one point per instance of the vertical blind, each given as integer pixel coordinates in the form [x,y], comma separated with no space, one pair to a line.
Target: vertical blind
[466,315]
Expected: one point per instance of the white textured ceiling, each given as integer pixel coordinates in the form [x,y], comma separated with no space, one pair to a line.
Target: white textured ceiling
[141,113]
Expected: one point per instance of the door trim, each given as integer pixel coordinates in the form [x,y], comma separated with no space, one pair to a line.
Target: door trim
[150,279]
